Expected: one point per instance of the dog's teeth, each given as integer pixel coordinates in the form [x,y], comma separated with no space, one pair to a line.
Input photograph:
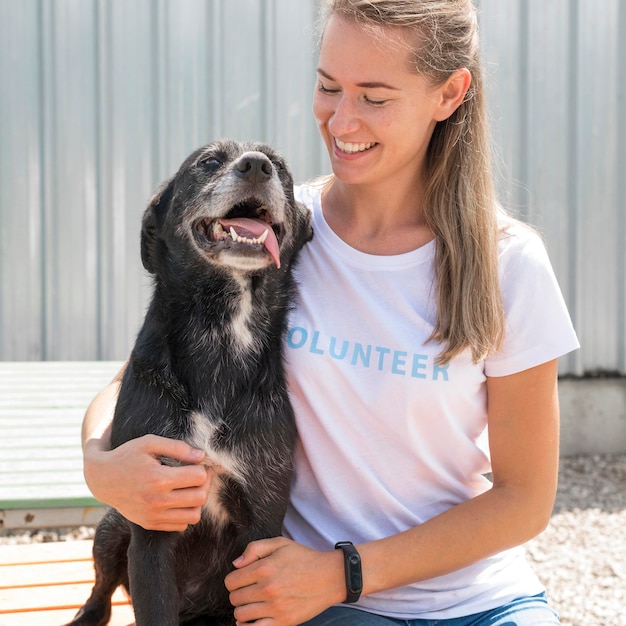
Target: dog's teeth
[217,232]
[240,239]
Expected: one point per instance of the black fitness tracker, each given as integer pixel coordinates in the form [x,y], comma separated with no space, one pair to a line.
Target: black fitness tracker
[354,576]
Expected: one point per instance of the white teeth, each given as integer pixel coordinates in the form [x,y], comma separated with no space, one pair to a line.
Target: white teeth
[218,232]
[352,148]
[238,239]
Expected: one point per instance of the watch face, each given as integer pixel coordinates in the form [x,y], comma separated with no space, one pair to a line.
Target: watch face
[354,577]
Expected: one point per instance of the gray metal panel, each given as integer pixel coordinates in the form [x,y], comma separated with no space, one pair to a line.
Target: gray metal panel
[21,253]
[102,99]
[556,79]
[128,157]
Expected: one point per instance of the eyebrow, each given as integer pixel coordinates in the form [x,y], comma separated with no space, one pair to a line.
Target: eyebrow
[369,85]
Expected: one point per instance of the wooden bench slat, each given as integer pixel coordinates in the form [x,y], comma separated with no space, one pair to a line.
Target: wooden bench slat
[28,464]
[13,496]
[122,616]
[25,576]
[48,442]
[60,595]
[34,553]
[42,405]
[29,431]
[52,477]
[48,583]
[42,453]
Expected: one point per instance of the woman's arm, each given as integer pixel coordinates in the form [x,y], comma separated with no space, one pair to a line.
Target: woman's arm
[131,478]
[289,583]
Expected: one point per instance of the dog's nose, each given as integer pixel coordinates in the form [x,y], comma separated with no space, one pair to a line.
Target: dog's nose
[254,167]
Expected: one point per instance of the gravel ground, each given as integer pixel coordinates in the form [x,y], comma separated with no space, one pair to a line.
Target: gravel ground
[581,557]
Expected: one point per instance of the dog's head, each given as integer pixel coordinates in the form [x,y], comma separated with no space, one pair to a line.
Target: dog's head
[229,204]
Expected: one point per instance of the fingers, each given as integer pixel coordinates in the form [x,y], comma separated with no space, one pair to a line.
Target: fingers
[169,520]
[284,582]
[132,479]
[173,449]
[257,550]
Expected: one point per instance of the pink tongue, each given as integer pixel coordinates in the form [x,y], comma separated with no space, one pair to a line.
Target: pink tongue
[252,229]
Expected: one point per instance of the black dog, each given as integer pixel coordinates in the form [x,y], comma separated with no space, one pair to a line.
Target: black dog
[221,238]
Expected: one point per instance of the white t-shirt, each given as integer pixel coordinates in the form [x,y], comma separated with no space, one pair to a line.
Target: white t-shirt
[387,438]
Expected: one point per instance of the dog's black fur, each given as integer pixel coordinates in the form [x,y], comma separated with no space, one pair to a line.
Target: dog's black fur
[207,368]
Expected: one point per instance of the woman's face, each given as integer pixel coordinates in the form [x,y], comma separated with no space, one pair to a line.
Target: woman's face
[375,116]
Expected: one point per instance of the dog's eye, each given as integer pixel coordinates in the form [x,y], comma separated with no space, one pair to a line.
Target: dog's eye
[210,163]
[279,165]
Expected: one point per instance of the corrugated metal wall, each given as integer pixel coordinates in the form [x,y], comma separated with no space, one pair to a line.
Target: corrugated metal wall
[100,100]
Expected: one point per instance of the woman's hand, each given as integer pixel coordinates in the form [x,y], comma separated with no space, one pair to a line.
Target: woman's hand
[283,583]
[132,479]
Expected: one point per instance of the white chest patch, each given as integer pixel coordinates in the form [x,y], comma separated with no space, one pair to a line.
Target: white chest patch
[242,337]
[221,462]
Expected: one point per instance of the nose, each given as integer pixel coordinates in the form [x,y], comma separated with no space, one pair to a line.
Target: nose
[344,118]
[255,167]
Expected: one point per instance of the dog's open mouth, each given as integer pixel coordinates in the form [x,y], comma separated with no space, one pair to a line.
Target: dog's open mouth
[255,231]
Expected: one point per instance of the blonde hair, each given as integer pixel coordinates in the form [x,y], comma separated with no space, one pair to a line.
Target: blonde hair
[459,202]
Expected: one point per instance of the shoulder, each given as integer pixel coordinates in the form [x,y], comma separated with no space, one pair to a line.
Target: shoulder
[519,241]
[523,254]
[308,193]
[524,264]
[538,326]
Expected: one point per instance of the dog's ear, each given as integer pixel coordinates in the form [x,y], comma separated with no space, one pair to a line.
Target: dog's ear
[304,220]
[152,218]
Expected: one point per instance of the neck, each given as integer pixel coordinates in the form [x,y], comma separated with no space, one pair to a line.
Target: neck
[376,219]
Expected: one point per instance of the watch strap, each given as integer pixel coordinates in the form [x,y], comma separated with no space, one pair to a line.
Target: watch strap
[354,575]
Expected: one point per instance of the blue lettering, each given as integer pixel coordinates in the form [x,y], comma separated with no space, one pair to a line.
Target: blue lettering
[314,348]
[399,361]
[344,349]
[291,342]
[440,369]
[364,355]
[419,364]
[382,352]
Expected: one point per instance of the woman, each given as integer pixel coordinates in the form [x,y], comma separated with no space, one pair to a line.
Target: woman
[426,314]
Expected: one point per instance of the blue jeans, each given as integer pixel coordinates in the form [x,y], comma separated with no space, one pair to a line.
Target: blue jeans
[532,611]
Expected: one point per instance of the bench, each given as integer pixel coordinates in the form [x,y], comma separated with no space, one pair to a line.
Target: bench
[41,409]
[41,486]
[46,583]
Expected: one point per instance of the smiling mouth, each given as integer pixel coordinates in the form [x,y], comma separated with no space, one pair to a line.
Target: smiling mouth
[353,148]
[251,228]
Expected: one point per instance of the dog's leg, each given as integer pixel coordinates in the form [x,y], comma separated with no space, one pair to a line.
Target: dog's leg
[152,575]
[110,548]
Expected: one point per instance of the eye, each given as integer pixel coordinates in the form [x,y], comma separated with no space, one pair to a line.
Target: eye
[321,87]
[374,102]
[210,162]
[279,164]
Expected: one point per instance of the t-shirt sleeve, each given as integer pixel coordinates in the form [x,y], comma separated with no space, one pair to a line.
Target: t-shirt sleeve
[538,326]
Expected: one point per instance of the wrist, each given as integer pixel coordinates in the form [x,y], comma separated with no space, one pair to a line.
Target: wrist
[337,585]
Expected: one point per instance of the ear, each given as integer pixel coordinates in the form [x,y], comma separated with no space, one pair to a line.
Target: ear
[150,226]
[452,93]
